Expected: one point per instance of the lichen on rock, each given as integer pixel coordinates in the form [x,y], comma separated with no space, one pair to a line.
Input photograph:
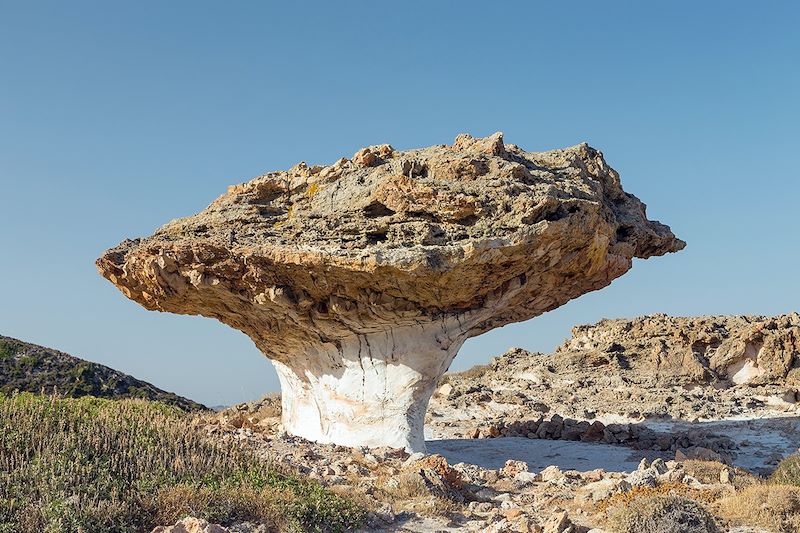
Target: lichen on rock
[361,280]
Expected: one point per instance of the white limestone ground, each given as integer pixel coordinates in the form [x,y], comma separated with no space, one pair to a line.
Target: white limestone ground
[539,454]
[761,443]
[762,440]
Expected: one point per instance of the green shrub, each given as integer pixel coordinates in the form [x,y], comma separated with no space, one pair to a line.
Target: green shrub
[85,465]
[787,472]
[7,350]
[662,514]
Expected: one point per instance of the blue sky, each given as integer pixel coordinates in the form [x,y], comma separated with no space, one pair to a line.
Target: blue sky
[117,117]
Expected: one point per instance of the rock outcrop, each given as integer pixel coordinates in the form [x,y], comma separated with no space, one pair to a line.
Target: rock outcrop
[361,280]
[661,349]
[623,370]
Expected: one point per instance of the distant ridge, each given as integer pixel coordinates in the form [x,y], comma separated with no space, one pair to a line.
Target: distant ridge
[27,367]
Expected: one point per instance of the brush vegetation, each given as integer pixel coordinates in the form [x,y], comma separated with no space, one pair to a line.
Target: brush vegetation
[89,464]
[771,507]
[787,471]
[662,514]
[26,367]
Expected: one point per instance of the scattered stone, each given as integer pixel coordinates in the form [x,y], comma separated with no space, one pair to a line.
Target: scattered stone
[512,468]
[438,464]
[643,478]
[526,478]
[600,490]
[551,473]
[485,494]
[414,458]
[192,525]
[480,507]
[659,466]
[593,475]
[701,454]
[594,433]
[559,523]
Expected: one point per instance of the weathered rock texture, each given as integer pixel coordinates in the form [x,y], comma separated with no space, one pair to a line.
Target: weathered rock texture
[657,366]
[361,280]
[722,350]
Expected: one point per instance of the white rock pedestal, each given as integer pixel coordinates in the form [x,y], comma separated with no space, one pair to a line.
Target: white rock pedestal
[367,389]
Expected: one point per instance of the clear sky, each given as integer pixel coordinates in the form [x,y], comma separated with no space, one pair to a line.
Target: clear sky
[116,117]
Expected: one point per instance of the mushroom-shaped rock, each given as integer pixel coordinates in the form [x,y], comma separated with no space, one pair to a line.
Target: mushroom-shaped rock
[361,280]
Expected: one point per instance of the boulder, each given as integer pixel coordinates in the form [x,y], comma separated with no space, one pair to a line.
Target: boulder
[439,465]
[551,473]
[559,522]
[701,454]
[642,478]
[361,280]
[513,467]
[600,490]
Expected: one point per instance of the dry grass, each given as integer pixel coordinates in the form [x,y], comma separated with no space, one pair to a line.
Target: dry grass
[86,465]
[428,506]
[470,374]
[773,507]
[625,499]
[408,491]
[661,514]
[408,486]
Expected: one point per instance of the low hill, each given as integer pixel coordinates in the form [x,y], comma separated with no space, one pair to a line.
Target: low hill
[28,367]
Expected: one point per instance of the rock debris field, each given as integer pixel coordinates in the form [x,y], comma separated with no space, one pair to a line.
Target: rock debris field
[506,451]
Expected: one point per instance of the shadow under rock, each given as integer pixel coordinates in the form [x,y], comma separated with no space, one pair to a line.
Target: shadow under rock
[539,454]
[759,443]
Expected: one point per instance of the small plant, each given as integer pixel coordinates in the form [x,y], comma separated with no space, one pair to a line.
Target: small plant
[312,190]
[29,360]
[661,514]
[787,471]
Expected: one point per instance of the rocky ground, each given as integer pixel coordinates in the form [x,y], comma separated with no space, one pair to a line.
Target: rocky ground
[718,387]
[561,442]
[473,488]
